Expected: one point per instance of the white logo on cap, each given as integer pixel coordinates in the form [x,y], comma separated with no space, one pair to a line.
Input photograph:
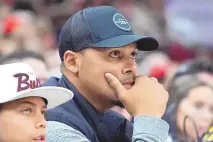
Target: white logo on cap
[121,22]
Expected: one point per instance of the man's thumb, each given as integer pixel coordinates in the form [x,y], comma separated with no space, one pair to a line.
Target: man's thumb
[115,84]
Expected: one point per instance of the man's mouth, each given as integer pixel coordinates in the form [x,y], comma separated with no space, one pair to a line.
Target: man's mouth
[128,84]
[41,138]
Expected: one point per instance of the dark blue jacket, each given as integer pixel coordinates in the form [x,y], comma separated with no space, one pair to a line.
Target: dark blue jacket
[79,114]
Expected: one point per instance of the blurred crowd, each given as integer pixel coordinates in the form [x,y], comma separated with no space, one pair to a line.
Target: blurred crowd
[183,64]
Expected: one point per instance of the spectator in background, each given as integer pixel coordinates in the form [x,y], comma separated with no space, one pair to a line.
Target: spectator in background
[155,64]
[146,22]
[35,60]
[184,37]
[196,66]
[205,69]
[190,112]
[200,66]
[23,104]
[28,31]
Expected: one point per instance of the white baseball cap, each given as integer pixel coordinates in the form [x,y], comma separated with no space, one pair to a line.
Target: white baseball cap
[18,80]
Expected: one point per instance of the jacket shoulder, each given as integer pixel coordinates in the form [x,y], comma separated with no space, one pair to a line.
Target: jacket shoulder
[70,115]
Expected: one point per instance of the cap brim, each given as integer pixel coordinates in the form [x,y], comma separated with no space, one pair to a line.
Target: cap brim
[143,43]
[54,95]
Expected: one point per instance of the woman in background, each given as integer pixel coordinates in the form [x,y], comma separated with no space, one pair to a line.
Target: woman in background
[190,110]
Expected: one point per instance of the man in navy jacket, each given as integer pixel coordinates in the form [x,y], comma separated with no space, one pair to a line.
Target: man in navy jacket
[97,48]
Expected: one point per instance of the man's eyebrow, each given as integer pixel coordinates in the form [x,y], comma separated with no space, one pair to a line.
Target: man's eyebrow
[44,107]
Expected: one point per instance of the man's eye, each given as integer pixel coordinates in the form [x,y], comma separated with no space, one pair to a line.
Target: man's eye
[44,113]
[27,111]
[115,54]
[134,54]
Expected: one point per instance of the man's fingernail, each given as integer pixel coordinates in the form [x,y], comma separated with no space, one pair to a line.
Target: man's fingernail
[106,74]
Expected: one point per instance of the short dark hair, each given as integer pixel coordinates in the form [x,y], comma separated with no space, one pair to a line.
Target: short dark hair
[181,86]
[23,5]
[203,64]
[20,55]
[199,64]
[179,90]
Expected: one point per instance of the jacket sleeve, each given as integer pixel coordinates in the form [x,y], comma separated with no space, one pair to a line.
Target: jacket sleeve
[150,129]
[146,129]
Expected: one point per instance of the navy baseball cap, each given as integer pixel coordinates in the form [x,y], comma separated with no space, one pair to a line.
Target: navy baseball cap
[101,26]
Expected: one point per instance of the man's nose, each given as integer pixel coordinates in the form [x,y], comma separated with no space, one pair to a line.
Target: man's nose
[130,67]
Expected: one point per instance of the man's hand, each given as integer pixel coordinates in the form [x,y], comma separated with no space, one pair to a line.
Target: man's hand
[146,97]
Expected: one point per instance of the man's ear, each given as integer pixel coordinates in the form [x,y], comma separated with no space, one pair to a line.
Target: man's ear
[71,61]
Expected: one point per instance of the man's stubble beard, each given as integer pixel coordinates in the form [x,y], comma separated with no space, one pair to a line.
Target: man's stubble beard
[119,103]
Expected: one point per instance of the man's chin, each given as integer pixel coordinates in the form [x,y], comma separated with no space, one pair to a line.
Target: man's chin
[127,86]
